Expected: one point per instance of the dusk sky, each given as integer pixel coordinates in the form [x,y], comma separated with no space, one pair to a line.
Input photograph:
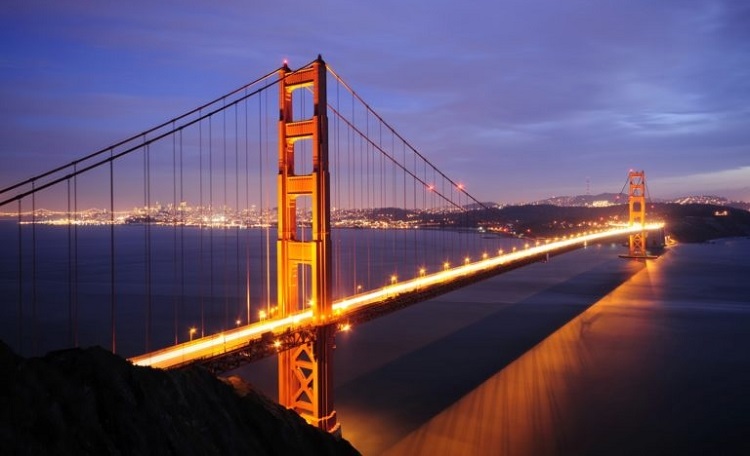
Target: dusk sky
[520,100]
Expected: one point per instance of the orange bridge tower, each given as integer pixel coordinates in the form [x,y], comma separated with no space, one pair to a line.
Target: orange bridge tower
[637,204]
[306,371]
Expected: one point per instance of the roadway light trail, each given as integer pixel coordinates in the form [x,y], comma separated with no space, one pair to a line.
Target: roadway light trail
[237,338]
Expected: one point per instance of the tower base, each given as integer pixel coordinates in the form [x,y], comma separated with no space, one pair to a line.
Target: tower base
[639,257]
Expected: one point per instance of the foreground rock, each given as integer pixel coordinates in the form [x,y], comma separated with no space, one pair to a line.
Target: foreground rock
[89,401]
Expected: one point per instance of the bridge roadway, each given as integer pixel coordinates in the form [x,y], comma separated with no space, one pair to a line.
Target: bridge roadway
[231,348]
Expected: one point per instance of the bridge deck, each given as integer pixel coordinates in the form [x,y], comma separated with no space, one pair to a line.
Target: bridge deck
[231,348]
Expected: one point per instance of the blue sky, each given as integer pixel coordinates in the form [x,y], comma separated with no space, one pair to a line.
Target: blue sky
[520,100]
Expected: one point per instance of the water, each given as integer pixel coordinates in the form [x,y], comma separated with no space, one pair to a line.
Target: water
[168,280]
[586,354]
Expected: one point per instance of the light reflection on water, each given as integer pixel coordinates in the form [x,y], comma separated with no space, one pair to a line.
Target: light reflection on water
[481,329]
[658,366]
[522,410]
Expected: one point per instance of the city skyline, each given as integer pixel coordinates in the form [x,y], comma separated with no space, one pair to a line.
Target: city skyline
[519,101]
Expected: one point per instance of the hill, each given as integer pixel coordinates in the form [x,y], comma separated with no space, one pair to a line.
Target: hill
[91,402]
[684,222]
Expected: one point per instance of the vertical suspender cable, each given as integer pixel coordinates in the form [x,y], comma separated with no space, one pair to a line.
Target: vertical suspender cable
[211,217]
[443,221]
[427,233]
[201,276]
[112,297]
[34,341]
[173,215]
[383,199]
[182,231]
[415,245]
[264,271]
[371,205]
[361,180]
[70,268]
[75,257]
[394,191]
[351,145]
[362,156]
[352,203]
[224,219]
[225,272]
[247,211]
[147,234]
[267,227]
[20,276]
[404,236]
[236,294]
[337,286]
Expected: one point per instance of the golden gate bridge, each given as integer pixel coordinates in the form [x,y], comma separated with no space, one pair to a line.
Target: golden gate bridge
[364,225]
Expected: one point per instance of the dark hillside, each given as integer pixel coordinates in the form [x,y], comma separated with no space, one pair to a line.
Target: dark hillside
[89,401]
[703,222]
[684,222]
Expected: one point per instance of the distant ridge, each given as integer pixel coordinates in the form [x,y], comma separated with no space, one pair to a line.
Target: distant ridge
[610,199]
[600,200]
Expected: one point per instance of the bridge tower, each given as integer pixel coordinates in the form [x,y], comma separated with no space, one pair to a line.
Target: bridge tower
[306,371]
[637,204]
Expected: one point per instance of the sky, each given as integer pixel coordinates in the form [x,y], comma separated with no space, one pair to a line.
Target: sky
[520,100]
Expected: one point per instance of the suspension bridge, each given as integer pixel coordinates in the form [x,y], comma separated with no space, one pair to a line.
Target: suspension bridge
[258,224]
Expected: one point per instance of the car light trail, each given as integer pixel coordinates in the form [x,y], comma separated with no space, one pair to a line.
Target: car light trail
[234,339]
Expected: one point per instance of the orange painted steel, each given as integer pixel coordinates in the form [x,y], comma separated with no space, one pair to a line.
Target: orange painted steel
[637,205]
[306,371]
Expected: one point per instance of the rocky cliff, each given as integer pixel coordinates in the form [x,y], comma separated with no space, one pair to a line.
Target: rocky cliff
[89,401]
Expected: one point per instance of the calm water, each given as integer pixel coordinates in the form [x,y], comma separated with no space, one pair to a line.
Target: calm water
[57,288]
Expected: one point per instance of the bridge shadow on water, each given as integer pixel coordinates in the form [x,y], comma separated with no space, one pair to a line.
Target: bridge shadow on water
[511,316]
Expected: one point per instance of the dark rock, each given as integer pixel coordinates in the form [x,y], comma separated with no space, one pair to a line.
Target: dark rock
[89,401]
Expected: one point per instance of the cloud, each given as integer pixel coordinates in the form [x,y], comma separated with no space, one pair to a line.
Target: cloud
[556,92]
[725,182]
